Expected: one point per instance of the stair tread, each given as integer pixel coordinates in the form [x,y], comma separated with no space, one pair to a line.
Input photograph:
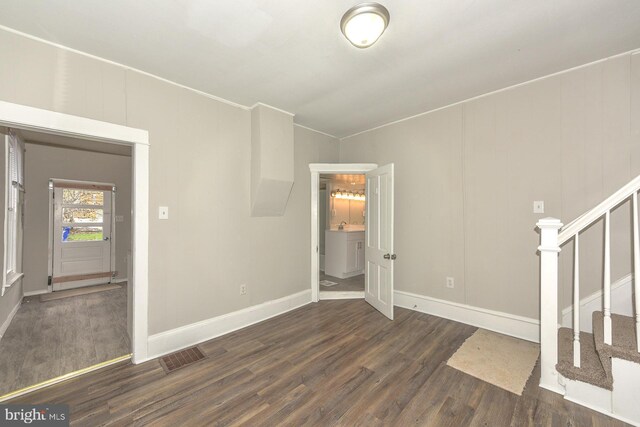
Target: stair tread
[623,343]
[591,369]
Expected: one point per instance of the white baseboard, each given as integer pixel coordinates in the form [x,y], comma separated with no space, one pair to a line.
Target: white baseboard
[33,293]
[589,395]
[621,403]
[341,295]
[188,335]
[624,398]
[504,323]
[7,322]
[621,303]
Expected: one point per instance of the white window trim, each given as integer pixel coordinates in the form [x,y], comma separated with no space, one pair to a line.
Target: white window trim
[10,273]
[13,166]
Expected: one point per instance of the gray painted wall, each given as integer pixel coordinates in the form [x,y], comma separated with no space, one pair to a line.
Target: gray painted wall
[45,162]
[199,167]
[466,177]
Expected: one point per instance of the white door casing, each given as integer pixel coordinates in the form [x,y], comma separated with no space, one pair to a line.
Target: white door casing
[379,253]
[82,261]
[30,118]
[316,169]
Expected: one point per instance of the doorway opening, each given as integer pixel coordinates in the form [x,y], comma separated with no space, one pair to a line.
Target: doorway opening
[341,225]
[371,254]
[66,132]
[75,309]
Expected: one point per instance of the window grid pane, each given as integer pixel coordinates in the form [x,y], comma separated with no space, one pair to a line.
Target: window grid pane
[82,215]
[72,196]
[81,234]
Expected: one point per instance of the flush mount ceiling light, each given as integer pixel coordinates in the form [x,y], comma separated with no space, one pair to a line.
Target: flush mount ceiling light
[364,23]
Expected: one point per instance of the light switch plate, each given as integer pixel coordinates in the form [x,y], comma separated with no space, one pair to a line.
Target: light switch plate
[538,206]
[450,283]
[163,212]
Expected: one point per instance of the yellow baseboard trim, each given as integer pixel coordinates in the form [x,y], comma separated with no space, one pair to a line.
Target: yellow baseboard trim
[62,378]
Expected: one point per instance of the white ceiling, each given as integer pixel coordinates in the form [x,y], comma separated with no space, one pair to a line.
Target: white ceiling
[292,55]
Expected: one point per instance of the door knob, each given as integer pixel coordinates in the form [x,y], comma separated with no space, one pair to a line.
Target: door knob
[386,256]
[393,256]
[106,238]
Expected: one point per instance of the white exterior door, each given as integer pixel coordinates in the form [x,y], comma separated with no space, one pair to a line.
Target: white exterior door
[379,254]
[81,235]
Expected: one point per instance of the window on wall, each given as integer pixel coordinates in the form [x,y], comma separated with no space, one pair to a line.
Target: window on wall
[13,201]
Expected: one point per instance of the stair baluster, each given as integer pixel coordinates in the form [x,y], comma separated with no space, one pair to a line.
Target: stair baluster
[576,301]
[607,278]
[636,268]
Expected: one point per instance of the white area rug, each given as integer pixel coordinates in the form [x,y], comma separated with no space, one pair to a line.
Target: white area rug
[327,283]
[500,360]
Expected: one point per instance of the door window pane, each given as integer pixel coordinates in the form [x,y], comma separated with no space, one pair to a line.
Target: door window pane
[79,215]
[72,196]
[81,234]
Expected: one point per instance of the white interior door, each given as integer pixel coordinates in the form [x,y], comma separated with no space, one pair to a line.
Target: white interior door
[379,256]
[81,236]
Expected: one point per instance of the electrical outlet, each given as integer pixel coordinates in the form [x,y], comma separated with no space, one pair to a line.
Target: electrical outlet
[243,289]
[450,283]
[538,206]
[163,212]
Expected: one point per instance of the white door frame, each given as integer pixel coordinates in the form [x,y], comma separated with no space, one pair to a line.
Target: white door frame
[317,169]
[35,119]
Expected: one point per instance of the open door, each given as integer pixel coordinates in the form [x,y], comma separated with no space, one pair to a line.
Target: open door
[379,256]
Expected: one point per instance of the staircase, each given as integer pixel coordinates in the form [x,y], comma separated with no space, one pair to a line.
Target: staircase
[598,369]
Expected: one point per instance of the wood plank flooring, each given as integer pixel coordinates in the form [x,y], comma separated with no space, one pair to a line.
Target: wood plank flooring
[49,339]
[332,363]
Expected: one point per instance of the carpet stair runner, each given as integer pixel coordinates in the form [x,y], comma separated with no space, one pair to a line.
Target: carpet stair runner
[595,355]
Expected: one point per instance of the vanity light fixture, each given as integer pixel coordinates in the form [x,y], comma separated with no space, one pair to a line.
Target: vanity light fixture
[364,23]
[350,195]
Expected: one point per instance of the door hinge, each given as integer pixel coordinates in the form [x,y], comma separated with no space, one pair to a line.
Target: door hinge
[49,281]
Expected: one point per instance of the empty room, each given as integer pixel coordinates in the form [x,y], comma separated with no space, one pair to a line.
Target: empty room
[320,213]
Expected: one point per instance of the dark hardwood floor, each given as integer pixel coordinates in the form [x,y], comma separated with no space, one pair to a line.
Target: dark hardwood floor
[332,363]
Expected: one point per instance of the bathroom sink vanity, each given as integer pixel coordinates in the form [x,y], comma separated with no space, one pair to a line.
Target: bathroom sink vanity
[344,253]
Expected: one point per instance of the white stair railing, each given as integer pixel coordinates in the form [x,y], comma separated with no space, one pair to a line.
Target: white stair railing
[552,237]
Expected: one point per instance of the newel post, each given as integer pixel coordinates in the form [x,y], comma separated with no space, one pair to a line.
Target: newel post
[549,249]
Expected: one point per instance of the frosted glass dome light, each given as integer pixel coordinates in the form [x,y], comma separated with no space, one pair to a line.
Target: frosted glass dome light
[364,23]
